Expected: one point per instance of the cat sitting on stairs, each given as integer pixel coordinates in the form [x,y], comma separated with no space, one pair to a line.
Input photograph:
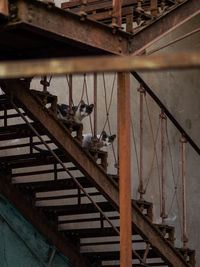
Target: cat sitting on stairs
[80,112]
[104,140]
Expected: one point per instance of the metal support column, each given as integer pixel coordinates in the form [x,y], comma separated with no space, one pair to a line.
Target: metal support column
[95,105]
[141,187]
[70,95]
[4,8]
[124,169]
[117,14]
[184,238]
[163,121]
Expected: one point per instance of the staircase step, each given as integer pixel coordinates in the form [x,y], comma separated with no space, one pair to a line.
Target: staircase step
[54,185]
[77,209]
[115,255]
[18,131]
[32,159]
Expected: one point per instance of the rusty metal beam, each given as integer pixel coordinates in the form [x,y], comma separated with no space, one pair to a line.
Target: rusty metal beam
[39,221]
[164,25]
[29,68]
[4,8]
[88,167]
[65,26]
[124,169]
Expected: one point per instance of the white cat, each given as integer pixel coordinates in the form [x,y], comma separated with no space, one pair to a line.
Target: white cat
[104,140]
[80,112]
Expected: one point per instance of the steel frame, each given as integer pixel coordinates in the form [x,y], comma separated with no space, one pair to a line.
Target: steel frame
[30,68]
[95,174]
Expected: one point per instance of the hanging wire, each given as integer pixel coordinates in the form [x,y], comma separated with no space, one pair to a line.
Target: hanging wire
[111,97]
[107,111]
[67,78]
[175,195]
[154,154]
[154,144]
[83,90]
[86,91]
[136,153]
[172,166]
[50,78]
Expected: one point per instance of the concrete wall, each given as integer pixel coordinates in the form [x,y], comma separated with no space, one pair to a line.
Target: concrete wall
[179,91]
[21,245]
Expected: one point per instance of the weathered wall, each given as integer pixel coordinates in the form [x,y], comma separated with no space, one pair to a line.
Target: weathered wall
[179,91]
[21,244]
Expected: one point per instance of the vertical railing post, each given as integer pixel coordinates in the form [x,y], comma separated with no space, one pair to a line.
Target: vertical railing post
[141,188]
[163,121]
[70,95]
[184,238]
[124,169]
[45,83]
[95,105]
[116,14]
[82,12]
[154,7]
[4,8]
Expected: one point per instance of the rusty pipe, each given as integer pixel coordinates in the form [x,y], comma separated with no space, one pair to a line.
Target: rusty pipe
[95,105]
[163,120]
[70,94]
[4,8]
[184,238]
[116,14]
[124,169]
[141,187]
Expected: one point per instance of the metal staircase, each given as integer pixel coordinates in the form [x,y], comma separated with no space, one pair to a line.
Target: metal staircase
[61,201]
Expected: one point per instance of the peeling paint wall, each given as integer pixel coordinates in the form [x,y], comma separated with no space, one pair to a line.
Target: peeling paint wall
[20,243]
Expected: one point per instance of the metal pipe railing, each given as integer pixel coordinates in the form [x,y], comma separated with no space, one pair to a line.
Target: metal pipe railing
[166,111]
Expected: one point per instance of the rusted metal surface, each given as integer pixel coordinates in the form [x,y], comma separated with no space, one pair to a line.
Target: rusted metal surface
[70,94]
[31,68]
[4,8]
[141,187]
[95,105]
[40,222]
[169,115]
[124,169]
[184,238]
[154,7]
[67,27]
[164,25]
[117,13]
[163,123]
[95,174]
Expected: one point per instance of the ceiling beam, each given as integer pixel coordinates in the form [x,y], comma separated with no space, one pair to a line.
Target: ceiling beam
[30,68]
[62,25]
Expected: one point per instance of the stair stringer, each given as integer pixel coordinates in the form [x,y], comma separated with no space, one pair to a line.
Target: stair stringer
[97,176]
